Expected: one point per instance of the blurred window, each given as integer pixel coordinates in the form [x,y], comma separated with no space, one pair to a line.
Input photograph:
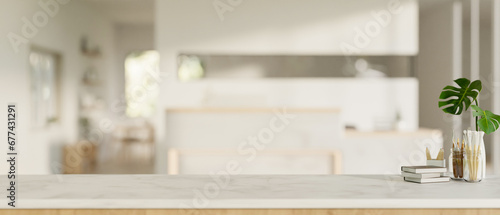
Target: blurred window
[44,87]
[190,68]
[141,83]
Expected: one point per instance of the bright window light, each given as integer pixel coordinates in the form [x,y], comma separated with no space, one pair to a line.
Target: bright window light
[141,87]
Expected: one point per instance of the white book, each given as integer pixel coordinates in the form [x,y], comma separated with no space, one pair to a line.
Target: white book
[421,175]
[428,180]
[423,169]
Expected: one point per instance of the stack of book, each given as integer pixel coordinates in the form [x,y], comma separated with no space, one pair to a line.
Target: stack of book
[424,174]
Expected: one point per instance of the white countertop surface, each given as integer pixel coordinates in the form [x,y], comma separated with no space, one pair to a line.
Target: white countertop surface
[247,191]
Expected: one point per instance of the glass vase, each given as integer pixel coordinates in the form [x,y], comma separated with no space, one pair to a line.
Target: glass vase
[474,156]
[456,165]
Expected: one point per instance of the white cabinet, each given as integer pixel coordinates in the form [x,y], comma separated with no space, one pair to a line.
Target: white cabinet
[268,161]
[262,141]
[308,141]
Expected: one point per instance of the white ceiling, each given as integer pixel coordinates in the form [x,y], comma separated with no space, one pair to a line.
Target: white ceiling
[126,11]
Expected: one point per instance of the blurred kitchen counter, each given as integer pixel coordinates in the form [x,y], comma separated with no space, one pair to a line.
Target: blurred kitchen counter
[249,109]
[233,130]
[421,132]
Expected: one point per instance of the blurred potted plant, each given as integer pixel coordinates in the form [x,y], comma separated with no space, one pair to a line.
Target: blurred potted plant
[456,100]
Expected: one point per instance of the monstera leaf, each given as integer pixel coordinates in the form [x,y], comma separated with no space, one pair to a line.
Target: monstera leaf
[488,122]
[455,100]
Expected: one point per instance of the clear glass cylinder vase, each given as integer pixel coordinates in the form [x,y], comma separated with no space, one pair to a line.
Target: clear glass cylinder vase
[474,156]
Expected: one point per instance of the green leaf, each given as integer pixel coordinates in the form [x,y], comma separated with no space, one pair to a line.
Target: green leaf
[489,122]
[455,100]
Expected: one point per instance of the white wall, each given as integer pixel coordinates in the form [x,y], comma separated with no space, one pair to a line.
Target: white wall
[61,34]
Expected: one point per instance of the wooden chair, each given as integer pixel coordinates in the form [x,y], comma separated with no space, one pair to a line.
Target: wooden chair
[128,136]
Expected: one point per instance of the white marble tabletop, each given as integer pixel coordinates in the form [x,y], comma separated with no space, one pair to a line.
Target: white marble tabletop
[247,191]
